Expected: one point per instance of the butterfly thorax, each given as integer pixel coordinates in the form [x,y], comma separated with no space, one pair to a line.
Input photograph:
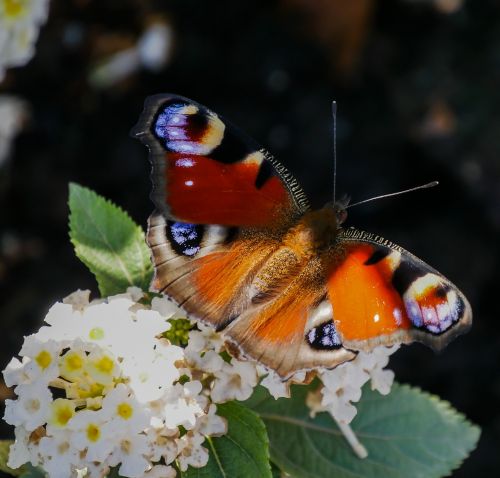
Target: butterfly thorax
[315,232]
[297,254]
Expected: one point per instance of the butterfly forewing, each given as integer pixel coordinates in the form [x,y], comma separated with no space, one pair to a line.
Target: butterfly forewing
[206,171]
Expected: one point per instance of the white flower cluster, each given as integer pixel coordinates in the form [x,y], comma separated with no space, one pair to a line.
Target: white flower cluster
[100,387]
[20,22]
[343,385]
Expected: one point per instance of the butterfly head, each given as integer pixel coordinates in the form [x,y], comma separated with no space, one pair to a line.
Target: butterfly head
[340,209]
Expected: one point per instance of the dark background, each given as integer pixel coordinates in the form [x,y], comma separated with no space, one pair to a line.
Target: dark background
[417,84]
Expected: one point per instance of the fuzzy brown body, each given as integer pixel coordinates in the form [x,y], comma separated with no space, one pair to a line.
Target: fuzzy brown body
[312,236]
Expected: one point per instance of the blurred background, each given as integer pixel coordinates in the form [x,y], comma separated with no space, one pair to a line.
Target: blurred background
[417,86]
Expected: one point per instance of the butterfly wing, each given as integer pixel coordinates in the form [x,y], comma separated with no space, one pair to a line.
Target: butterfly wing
[223,204]
[212,187]
[206,171]
[383,295]
[361,293]
[253,289]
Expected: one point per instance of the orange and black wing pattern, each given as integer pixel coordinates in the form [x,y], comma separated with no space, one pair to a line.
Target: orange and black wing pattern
[206,171]
[382,295]
[234,244]
[222,203]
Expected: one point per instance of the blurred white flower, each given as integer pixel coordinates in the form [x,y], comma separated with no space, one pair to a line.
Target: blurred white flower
[154,46]
[13,115]
[20,22]
[152,52]
[443,6]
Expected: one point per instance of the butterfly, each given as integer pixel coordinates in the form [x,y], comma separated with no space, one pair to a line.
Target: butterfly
[236,245]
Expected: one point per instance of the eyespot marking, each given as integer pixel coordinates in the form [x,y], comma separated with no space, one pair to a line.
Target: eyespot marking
[185,238]
[324,337]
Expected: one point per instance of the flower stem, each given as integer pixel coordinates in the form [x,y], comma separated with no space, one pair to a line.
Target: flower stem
[352,439]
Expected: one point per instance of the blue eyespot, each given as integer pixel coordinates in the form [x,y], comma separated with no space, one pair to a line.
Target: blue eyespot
[185,238]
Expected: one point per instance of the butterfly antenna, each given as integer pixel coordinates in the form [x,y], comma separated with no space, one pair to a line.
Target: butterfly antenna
[424,186]
[334,115]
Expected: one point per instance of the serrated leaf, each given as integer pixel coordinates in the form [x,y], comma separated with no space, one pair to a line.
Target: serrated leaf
[242,453]
[408,433]
[108,242]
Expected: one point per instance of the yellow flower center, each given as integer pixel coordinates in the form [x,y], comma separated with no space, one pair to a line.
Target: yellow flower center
[62,412]
[14,8]
[93,432]
[105,365]
[72,365]
[124,410]
[43,359]
[74,362]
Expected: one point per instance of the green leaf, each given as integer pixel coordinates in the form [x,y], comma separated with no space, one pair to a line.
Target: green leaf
[32,472]
[108,242]
[408,433]
[242,453]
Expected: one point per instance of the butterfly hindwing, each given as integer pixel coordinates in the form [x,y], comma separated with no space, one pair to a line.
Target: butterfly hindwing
[269,301]
[206,171]
[382,295]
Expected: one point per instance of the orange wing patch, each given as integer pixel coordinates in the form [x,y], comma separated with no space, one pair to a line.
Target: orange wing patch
[273,332]
[365,304]
[220,279]
[283,319]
